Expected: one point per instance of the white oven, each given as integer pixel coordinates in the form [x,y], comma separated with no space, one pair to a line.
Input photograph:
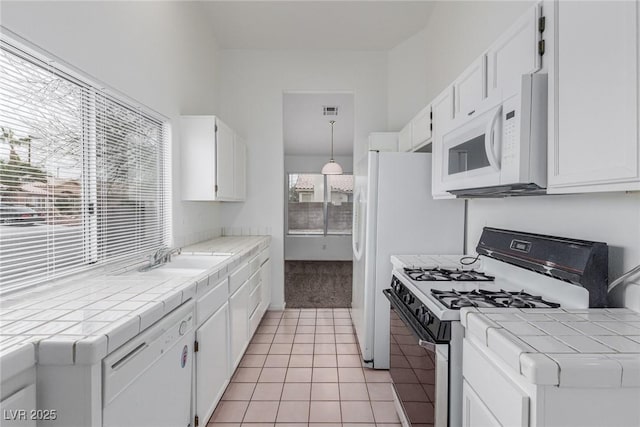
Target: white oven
[501,149]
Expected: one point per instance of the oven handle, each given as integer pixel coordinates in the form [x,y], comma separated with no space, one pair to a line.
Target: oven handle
[424,340]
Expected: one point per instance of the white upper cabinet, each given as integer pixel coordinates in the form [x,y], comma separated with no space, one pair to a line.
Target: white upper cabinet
[213,160]
[404,138]
[442,111]
[240,169]
[515,53]
[421,128]
[470,88]
[593,121]
[225,161]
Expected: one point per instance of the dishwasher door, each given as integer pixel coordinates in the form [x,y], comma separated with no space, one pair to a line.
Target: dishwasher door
[147,382]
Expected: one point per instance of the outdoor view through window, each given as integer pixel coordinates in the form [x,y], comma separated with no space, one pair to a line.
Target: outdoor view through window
[320,204]
[81,173]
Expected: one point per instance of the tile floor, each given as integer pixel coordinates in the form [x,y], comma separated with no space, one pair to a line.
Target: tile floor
[302,368]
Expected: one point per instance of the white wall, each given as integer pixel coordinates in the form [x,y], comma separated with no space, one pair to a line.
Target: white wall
[162,54]
[454,35]
[422,66]
[315,248]
[252,84]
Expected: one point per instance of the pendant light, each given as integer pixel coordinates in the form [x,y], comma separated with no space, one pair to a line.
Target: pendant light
[332,168]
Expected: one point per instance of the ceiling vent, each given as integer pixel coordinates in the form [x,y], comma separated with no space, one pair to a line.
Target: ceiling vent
[329,111]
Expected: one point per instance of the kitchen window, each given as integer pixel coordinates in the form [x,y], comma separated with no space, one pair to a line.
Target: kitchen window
[320,204]
[83,172]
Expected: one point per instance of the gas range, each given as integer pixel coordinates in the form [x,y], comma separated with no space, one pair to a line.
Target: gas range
[512,270]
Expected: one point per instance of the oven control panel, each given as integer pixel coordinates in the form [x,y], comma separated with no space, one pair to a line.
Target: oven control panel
[439,330]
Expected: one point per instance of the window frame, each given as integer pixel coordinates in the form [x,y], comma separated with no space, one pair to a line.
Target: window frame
[94,89]
[325,208]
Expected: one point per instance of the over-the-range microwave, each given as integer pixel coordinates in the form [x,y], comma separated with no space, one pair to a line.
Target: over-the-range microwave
[501,150]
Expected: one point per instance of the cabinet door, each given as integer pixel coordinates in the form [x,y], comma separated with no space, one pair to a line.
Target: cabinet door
[16,408]
[595,145]
[240,169]
[265,276]
[224,161]
[421,127]
[239,323]
[515,53]
[404,138]
[474,412]
[198,155]
[212,362]
[470,88]
[442,110]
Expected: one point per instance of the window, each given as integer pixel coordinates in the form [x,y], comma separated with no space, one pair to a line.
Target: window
[320,204]
[83,174]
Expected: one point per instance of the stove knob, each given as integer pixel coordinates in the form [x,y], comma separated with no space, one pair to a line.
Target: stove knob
[408,299]
[428,318]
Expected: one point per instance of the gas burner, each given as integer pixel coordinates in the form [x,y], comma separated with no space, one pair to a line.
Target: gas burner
[446,275]
[482,298]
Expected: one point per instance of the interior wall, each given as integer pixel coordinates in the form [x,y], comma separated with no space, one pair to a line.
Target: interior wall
[422,66]
[252,84]
[455,34]
[315,248]
[161,54]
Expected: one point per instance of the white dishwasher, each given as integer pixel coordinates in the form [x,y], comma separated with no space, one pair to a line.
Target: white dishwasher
[147,382]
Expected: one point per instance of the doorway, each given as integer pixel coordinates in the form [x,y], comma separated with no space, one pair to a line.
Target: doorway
[318,208]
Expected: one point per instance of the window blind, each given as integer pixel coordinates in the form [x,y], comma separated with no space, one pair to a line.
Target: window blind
[83,174]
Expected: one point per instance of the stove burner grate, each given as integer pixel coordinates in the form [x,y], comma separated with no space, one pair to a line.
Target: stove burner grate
[483,298]
[446,275]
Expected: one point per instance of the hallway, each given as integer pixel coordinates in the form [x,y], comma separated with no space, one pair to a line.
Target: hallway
[302,368]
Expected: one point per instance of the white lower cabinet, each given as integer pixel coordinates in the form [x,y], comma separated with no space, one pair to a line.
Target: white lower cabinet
[212,362]
[18,409]
[474,412]
[265,277]
[239,323]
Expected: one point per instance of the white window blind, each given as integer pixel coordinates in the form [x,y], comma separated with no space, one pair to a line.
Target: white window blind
[83,174]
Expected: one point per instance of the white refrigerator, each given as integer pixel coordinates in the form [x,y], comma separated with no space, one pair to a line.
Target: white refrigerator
[394,214]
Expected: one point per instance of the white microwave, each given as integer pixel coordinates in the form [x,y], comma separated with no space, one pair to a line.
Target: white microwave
[502,149]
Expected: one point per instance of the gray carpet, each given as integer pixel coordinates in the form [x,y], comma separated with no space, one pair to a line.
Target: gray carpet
[317,284]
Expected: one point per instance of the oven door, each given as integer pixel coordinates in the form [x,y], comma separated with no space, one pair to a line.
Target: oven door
[419,369]
[471,152]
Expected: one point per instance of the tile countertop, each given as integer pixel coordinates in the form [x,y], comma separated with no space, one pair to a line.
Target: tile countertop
[81,320]
[562,347]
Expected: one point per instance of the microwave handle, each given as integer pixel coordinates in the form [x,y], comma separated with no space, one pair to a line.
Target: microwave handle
[489,140]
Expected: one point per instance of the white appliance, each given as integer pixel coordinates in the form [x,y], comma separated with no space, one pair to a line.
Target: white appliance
[513,270]
[501,149]
[147,382]
[394,213]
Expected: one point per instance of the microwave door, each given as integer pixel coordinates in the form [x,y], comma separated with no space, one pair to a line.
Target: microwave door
[470,154]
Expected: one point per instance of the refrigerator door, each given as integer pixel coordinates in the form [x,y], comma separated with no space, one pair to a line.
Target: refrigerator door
[360,239]
[402,218]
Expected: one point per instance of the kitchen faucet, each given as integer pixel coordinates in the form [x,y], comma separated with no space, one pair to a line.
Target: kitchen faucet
[161,256]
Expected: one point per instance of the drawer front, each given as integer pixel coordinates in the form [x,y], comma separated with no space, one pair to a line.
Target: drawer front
[263,256]
[254,280]
[238,277]
[507,402]
[254,299]
[254,264]
[211,301]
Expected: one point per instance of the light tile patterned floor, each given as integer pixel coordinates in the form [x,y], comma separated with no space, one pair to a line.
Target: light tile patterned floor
[302,368]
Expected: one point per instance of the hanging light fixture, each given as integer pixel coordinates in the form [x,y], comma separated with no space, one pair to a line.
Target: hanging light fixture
[332,168]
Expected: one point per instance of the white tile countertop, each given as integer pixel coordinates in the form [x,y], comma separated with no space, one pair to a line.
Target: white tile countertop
[81,320]
[562,347]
